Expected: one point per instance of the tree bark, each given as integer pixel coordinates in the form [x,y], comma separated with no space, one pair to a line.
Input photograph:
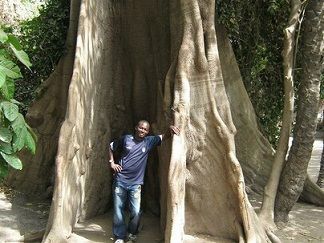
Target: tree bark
[206,148]
[295,171]
[193,87]
[167,63]
[270,190]
[312,193]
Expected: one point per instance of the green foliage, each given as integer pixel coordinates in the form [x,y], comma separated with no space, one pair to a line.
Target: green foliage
[43,38]
[255,29]
[15,134]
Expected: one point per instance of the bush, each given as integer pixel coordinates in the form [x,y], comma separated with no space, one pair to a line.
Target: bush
[255,30]
[15,134]
[43,38]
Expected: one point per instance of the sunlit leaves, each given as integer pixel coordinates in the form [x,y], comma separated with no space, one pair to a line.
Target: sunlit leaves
[7,89]
[21,55]
[9,110]
[30,142]
[12,160]
[5,135]
[18,123]
[9,69]
[3,36]
[22,136]
[15,134]
[6,148]
[14,42]
[2,79]
[15,137]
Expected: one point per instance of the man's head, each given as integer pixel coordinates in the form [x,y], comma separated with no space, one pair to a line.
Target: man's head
[142,129]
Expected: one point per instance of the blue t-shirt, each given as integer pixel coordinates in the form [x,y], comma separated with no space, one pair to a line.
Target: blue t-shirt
[133,157]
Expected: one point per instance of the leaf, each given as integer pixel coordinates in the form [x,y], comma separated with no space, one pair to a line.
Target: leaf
[14,41]
[16,102]
[30,143]
[6,148]
[5,135]
[3,54]
[12,160]
[19,138]
[10,69]
[8,89]
[18,124]
[2,79]
[10,110]
[22,56]
[3,36]
[31,131]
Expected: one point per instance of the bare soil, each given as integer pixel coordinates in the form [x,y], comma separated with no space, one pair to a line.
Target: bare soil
[20,215]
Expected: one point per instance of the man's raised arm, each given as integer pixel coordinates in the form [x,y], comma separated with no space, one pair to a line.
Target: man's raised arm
[171,130]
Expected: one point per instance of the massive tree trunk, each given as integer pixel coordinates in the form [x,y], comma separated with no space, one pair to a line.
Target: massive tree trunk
[295,171]
[162,61]
[123,71]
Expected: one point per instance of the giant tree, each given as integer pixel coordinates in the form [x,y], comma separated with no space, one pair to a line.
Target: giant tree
[166,61]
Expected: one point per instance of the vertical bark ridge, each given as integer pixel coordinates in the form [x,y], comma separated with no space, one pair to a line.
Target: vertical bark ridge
[202,111]
[79,157]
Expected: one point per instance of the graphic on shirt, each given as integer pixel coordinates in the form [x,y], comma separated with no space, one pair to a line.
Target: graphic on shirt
[143,149]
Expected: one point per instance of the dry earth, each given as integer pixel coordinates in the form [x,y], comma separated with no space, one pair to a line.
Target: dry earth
[20,215]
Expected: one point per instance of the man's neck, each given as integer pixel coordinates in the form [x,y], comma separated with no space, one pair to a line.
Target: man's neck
[138,139]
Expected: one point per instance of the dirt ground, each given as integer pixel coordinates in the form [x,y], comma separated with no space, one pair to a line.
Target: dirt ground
[21,215]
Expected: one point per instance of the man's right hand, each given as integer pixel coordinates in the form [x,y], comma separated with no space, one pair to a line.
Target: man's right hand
[115,167]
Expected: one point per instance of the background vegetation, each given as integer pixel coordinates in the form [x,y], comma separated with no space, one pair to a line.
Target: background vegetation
[256,32]
[43,38]
[15,134]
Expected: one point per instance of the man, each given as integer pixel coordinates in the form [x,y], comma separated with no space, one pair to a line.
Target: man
[129,176]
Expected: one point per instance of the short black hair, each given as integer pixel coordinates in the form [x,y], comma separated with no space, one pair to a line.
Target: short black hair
[143,121]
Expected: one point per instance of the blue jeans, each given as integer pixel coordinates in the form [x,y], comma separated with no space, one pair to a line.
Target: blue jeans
[126,196]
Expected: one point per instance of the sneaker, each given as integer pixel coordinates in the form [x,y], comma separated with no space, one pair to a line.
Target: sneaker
[119,241]
[131,238]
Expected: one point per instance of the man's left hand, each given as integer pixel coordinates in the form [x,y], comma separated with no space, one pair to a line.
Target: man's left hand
[174,130]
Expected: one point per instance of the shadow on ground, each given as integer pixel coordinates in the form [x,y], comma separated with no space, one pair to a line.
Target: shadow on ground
[99,229]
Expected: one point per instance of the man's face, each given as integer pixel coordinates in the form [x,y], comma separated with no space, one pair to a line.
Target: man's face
[142,129]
